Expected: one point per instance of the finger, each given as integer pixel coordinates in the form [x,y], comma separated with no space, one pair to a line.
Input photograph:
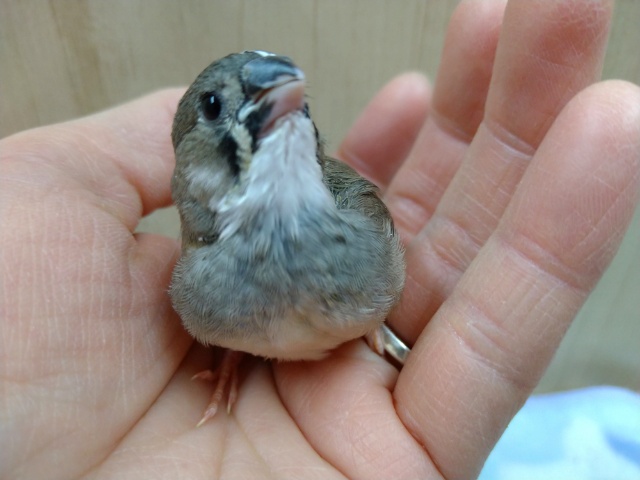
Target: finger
[122,155]
[137,137]
[344,409]
[380,139]
[548,52]
[457,109]
[490,342]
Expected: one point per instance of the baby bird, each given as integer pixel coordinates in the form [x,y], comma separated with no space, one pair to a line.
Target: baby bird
[286,252]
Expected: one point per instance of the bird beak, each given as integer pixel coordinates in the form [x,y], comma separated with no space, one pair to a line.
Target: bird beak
[273,82]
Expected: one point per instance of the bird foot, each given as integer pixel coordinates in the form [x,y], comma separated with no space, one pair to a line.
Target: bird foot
[225,375]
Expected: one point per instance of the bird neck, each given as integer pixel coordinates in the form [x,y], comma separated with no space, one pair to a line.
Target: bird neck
[283,181]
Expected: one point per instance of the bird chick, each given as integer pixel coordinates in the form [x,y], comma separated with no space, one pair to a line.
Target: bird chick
[286,252]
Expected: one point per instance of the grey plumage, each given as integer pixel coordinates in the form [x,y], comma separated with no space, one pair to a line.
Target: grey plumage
[268,267]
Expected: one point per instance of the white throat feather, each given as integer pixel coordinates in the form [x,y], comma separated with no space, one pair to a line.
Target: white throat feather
[283,179]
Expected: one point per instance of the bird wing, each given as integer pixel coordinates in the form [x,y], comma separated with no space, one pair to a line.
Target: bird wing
[353,192]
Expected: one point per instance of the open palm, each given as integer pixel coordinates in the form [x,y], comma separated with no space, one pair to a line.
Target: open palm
[511,185]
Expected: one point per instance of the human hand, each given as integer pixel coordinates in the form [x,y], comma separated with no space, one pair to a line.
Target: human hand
[509,222]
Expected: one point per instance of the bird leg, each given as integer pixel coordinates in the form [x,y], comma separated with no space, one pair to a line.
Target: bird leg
[225,374]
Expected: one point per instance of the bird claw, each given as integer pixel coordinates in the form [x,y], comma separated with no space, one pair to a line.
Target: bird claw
[207,375]
[375,341]
[225,375]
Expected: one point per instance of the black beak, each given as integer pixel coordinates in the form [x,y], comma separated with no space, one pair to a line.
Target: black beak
[275,88]
[268,72]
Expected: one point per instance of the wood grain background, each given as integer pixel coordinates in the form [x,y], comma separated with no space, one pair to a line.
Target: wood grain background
[66,58]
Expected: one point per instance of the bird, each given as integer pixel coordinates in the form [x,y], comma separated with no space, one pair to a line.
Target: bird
[286,252]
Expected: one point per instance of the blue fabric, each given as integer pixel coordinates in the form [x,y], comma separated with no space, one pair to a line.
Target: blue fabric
[589,434]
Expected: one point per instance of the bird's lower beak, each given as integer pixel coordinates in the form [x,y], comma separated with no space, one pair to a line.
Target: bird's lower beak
[284,99]
[276,86]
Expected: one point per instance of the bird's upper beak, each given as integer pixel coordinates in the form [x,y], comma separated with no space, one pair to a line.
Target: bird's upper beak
[272,81]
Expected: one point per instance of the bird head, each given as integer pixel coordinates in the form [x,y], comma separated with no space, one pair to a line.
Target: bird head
[245,143]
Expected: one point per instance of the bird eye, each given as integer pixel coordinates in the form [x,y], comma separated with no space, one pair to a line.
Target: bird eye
[211,106]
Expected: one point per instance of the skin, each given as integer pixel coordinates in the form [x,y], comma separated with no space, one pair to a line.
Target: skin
[509,223]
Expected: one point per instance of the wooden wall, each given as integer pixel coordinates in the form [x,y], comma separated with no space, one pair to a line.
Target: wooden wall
[65,58]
